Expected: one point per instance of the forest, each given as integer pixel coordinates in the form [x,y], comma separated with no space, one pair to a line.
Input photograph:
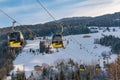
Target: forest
[71,70]
[111,41]
[7,55]
[71,26]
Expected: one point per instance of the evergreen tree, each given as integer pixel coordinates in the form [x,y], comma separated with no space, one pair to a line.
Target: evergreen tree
[12,76]
[62,76]
[44,72]
[56,77]
[88,76]
[42,46]
[51,78]
[73,77]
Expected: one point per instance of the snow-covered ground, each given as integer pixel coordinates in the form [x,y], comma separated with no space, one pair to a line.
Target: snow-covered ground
[87,53]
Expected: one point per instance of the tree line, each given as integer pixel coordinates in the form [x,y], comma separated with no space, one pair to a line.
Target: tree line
[111,41]
[7,55]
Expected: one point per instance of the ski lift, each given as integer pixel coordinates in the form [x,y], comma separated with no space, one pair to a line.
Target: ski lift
[97,67]
[57,41]
[82,67]
[15,38]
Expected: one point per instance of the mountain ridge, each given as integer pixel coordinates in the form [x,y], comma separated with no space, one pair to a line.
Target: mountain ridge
[73,25]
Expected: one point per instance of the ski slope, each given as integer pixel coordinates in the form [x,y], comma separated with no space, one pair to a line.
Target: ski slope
[86,54]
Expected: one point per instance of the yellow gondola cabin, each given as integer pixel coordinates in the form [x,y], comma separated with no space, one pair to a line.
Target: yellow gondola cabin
[82,68]
[97,67]
[15,39]
[57,41]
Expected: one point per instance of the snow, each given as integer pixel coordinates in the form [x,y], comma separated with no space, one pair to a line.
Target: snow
[8,78]
[86,54]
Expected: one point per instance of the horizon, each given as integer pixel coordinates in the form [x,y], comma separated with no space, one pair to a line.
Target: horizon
[58,19]
[30,12]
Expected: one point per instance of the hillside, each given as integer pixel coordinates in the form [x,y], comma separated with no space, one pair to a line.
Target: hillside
[101,21]
[80,49]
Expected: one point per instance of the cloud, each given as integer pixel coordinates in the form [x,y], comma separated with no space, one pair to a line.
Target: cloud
[33,18]
[87,8]
[93,8]
[32,13]
[19,8]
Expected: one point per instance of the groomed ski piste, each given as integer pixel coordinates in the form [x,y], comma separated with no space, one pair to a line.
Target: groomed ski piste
[86,54]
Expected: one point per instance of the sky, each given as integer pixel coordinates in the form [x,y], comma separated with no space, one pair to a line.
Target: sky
[29,12]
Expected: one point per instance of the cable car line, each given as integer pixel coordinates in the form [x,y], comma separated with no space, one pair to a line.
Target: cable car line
[16,38]
[13,25]
[15,21]
[56,44]
[81,45]
[8,15]
[72,54]
[55,21]
[57,39]
[51,16]
[46,10]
